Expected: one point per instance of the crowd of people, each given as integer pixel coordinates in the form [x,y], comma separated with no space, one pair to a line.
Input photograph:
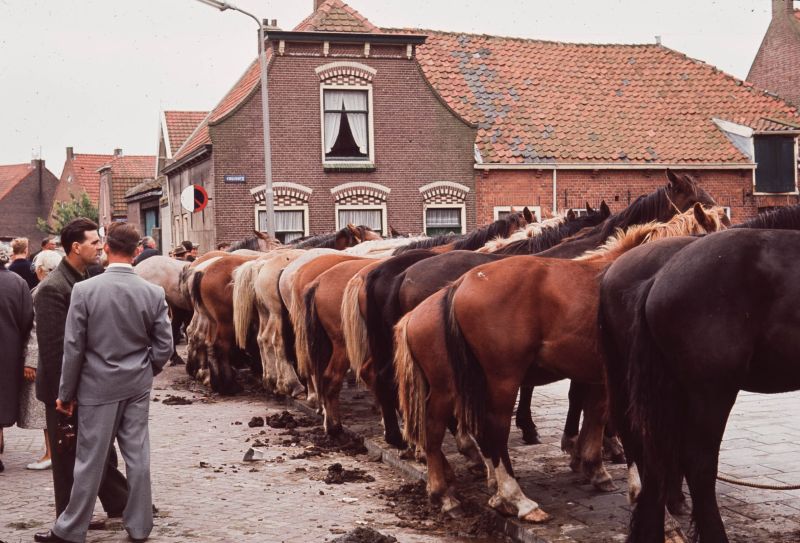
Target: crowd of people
[83,340]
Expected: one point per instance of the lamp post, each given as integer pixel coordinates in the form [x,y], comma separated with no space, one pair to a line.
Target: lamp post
[262,58]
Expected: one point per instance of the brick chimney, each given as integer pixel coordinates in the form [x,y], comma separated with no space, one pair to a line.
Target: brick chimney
[782,7]
[117,152]
[70,153]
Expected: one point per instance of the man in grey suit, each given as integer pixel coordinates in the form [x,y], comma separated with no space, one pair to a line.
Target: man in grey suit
[117,337]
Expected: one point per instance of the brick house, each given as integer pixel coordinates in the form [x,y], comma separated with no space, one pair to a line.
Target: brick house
[26,193]
[776,67]
[117,176]
[79,175]
[358,136]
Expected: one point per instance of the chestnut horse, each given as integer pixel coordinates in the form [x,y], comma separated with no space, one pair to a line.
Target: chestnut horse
[497,340]
[744,343]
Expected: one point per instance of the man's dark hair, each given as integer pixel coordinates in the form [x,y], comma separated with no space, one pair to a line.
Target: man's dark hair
[75,232]
[187,245]
[122,238]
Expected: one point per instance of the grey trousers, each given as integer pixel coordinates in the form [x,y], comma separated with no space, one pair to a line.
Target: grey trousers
[97,426]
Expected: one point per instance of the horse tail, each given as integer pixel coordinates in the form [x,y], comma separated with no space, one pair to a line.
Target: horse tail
[655,400]
[194,280]
[244,299]
[412,386]
[470,381]
[286,330]
[354,328]
[297,314]
[318,344]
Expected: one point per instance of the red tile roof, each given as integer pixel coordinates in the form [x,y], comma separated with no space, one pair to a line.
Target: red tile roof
[126,173]
[180,125]
[336,16]
[543,102]
[85,174]
[11,175]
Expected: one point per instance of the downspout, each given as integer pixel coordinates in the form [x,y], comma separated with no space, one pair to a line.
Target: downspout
[555,192]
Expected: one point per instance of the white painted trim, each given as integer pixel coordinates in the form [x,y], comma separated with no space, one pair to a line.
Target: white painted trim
[356,184]
[303,208]
[462,207]
[618,166]
[536,210]
[345,64]
[448,184]
[165,132]
[382,208]
[734,128]
[727,211]
[370,122]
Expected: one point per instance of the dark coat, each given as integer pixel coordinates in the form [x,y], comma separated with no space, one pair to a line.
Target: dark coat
[24,268]
[16,319]
[147,253]
[51,304]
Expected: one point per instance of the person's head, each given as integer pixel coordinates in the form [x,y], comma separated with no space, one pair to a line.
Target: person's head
[187,245]
[19,248]
[45,262]
[180,252]
[5,255]
[121,241]
[148,243]
[48,244]
[193,250]
[224,246]
[81,243]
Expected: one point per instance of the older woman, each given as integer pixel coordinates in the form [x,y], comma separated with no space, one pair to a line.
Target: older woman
[16,319]
[31,410]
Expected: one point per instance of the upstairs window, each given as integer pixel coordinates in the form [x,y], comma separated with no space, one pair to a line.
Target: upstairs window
[776,165]
[346,119]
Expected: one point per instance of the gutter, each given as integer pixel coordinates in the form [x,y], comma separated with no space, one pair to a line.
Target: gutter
[617,166]
[200,152]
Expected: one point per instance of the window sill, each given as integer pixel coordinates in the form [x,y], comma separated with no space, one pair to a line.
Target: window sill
[348,166]
[793,193]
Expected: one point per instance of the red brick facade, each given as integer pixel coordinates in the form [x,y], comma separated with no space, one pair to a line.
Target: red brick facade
[30,197]
[776,67]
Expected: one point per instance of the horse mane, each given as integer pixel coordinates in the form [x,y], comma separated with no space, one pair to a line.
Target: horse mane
[428,243]
[551,236]
[531,230]
[467,242]
[250,243]
[781,218]
[683,224]
[378,247]
[319,241]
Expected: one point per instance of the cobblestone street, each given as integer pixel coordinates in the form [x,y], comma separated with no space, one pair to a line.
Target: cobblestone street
[205,492]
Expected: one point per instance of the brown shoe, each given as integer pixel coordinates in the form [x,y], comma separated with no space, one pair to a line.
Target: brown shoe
[49,537]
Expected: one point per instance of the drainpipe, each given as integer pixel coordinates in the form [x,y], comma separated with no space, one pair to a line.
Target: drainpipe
[555,192]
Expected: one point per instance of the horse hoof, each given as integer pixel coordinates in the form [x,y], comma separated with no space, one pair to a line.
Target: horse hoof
[575,464]
[537,516]
[454,511]
[502,506]
[619,458]
[531,437]
[605,485]
[333,430]
[298,391]
[568,443]
[395,440]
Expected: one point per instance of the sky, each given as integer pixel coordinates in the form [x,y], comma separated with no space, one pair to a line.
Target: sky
[94,74]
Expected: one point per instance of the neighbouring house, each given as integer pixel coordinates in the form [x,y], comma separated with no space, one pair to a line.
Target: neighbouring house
[117,176]
[432,131]
[79,175]
[358,135]
[776,67]
[26,193]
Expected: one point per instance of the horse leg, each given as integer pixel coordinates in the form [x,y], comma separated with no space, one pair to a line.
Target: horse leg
[386,394]
[222,349]
[701,442]
[524,419]
[466,445]
[569,439]
[591,438]
[333,378]
[438,411]
[287,380]
[612,446]
[268,378]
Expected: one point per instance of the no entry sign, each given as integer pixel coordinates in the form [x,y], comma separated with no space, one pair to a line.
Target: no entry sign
[194,198]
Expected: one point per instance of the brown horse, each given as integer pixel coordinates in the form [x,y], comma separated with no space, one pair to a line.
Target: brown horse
[497,340]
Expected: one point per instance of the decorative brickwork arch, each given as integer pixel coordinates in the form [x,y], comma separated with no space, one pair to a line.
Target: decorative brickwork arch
[291,209]
[444,192]
[284,194]
[345,73]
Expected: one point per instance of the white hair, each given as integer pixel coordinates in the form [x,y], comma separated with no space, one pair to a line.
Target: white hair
[47,260]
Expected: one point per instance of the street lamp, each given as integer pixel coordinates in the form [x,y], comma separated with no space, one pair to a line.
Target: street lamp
[262,55]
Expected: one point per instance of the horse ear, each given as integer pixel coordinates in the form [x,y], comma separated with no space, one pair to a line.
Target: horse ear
[355,231]
[605,211]
[530,217]
[700,215]
[589,208]
[394,233]
[570,215]
[674,179]
[261,235]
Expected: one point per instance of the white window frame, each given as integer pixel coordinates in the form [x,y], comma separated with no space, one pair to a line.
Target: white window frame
[367,207]
[727,211]
[177,230]
[462,207]
[303,208]
[186,227]
[536,210]
[370,120]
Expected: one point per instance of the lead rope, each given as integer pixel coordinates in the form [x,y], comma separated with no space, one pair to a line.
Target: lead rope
[739,482]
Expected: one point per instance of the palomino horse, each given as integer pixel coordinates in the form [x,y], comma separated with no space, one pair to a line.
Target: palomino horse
[671,409]
[497,340]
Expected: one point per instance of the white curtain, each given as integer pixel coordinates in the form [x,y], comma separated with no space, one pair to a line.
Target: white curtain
[333,117]
[357,101]
[368,217]
[285,221]
[437,217]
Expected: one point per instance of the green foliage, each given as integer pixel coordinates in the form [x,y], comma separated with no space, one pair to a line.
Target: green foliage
[64,212]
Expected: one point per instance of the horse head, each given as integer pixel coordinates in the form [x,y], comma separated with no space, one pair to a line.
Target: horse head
[352,235]
[683,191]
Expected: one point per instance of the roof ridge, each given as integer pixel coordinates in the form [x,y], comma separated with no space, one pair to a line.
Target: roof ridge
[515,38]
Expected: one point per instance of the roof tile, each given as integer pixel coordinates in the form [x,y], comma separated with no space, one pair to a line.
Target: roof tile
[180,125]
[11,175]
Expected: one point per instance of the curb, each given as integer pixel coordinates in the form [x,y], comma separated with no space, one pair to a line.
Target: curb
[517,531]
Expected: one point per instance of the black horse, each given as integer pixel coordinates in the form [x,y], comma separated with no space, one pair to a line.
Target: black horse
[686,323]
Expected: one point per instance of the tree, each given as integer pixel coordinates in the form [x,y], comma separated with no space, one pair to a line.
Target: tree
[64,212]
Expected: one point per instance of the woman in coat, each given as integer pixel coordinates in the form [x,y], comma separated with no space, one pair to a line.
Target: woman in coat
[16,319]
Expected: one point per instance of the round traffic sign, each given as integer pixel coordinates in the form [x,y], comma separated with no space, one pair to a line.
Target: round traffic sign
[194,198]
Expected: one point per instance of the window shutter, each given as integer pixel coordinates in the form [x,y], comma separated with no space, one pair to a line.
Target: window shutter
[775,164]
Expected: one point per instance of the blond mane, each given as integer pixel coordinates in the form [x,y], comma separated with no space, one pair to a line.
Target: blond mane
[531,230]
[683,224]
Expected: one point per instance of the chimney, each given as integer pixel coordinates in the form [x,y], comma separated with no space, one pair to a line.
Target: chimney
[70,153]
[782,7]
[117,152]
[37,163]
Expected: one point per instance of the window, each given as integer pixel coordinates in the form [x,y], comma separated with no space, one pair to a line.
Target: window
[346,127]
[356,215]
[502,211]
[775,164]
[290,224]
[444,220]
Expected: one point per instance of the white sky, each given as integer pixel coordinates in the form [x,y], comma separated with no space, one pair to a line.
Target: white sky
[93,74]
